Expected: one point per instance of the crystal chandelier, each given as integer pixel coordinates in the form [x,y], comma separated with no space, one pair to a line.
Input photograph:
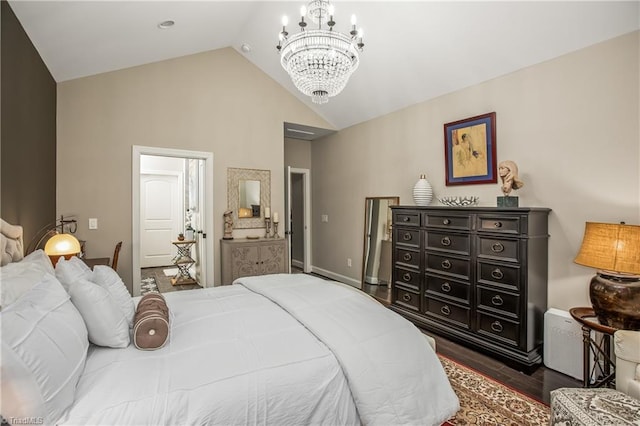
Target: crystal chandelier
[319,59]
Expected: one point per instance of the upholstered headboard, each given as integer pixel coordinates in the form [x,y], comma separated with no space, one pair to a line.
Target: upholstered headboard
[11,243]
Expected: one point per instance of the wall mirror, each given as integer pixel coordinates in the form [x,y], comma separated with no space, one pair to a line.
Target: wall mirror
[376,259]
[248,193]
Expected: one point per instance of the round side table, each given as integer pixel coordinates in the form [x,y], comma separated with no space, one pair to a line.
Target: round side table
[603,364]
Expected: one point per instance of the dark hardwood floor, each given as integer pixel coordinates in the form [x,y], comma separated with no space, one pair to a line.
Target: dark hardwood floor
[537,385]
[163,281]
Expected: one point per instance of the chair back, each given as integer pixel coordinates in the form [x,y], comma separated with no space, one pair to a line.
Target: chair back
[116,253]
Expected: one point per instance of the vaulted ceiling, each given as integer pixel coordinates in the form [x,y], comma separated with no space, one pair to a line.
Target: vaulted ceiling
[415,50]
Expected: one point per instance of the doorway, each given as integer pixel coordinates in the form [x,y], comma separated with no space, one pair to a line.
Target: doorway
[298,223]
[172,194]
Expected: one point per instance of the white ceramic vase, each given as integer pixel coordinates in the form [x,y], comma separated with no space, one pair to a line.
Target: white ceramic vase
[422,192]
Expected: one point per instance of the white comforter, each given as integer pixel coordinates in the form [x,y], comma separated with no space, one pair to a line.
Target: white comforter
[234,357]
[394,375]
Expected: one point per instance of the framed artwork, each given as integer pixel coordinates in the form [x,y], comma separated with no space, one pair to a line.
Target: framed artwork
[470,150]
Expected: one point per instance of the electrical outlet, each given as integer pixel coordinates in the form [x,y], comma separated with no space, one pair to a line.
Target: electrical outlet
[93,223]
[349,262]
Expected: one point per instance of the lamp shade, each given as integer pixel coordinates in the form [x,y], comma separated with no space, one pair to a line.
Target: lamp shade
[62,245]
[611,247]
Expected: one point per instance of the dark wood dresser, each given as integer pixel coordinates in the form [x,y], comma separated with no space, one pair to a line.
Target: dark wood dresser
[475,275]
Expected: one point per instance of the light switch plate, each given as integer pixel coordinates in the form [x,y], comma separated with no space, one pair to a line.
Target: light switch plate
[325,218]
[93,223]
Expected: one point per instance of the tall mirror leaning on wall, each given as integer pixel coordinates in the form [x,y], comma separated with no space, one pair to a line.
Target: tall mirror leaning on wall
[377,256]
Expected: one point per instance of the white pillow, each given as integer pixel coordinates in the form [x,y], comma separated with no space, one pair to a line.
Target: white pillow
[19,277]
[44,348]
[70,271]
[106,324]
[106,277]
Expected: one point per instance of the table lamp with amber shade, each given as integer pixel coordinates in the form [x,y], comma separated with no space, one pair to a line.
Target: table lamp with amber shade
[614,249]
[62,245]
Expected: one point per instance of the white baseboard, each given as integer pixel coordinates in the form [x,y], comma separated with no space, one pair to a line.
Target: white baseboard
[341,278]
[297,263]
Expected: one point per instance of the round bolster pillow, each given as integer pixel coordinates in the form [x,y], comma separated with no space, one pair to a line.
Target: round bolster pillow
[151,322]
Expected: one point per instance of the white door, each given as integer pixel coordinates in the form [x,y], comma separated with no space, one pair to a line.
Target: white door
[160,217]
[305,229]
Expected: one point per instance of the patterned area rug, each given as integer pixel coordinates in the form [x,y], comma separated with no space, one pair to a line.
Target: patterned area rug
[484,401]
[148,285]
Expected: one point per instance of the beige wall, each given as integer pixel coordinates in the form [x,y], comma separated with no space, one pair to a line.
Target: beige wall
[215,101]
[571,124]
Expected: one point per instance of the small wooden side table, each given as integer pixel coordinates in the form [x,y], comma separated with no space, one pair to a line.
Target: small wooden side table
[91,262]
[183,261]
[601,351]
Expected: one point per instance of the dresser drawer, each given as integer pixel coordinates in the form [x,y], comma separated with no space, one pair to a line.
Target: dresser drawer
[500,275]
[448,288]
[407,298]
[499,329]
[506,304]
[498,248]
[448,265]
[449,312]
[407,237]
[447,220]
[502,224]
[407,218]
[454,243]
[407,257]
[407,278]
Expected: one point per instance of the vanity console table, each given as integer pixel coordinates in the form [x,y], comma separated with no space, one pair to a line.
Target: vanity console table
[476,275]
[250,257]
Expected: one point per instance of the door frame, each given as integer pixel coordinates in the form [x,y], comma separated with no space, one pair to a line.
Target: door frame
[207,259]
[306,234]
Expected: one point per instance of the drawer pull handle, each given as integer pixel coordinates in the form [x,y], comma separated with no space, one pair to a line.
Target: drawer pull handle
[406,297]
[406,236]
[496,326]
[497,300]
[446,222]
[406,219]
[497,248]
[407,257]
[497,224]
[445,310]
[446,287]
[446,264]
[406,276]
[497,274]
[446,241]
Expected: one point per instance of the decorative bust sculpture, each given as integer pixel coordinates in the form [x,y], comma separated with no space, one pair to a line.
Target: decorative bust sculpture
[228,226]
[508,171]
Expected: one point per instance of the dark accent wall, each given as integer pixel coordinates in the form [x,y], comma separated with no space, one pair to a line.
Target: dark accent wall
[28,135]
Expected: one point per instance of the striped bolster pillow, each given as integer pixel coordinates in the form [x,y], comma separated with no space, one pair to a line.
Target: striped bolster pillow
[151,322]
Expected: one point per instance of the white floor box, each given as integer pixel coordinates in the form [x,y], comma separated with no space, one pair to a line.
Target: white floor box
[563,343]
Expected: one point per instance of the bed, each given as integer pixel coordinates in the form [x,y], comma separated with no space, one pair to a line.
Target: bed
[272,350]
